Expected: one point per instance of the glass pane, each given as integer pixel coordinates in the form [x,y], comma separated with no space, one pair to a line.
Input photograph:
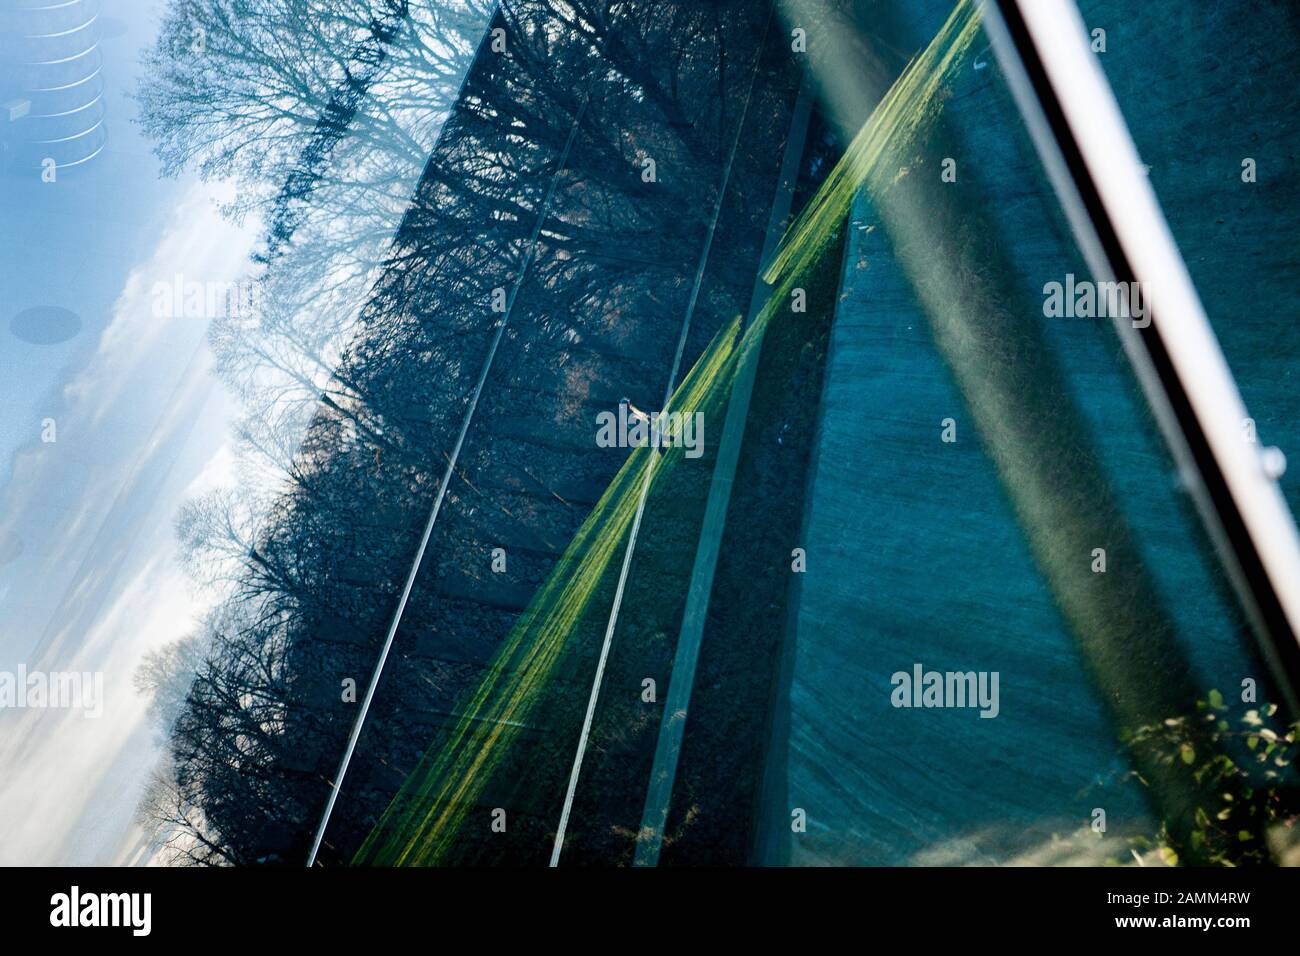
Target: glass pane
[707,372]
[991,515]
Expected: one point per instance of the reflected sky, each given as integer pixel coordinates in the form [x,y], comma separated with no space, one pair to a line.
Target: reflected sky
[117,410]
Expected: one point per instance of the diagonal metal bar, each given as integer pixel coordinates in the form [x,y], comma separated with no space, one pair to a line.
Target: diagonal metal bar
[1085,145]
[672,726]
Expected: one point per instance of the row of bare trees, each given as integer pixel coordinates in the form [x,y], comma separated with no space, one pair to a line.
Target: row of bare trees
[339,121]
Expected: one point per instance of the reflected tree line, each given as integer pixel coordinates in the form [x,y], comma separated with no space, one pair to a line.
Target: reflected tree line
[338,121]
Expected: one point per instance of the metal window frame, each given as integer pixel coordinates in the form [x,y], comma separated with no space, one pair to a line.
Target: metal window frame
[1090,157]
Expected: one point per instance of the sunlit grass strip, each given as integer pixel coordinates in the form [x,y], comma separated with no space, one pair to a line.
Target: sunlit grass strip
[420,824]
[902,117]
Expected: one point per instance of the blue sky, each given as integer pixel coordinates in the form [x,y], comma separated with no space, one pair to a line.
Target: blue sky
[142,424]
[139,424]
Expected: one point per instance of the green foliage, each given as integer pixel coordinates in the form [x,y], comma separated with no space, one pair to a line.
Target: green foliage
[1242,769]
